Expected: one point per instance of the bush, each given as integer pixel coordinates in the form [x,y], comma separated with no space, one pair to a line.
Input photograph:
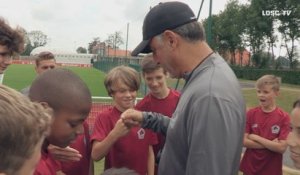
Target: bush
[248,73]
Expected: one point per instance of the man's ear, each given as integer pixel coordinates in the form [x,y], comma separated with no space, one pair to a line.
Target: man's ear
[171,38]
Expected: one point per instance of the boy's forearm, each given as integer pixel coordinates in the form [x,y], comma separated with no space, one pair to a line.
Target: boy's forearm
[150,161]
[248,143]
[276,146]
[101,149]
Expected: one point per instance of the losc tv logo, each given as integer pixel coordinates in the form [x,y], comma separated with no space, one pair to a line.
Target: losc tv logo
[276,12]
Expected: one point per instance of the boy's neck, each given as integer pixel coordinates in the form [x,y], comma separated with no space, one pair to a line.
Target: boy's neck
[269,109]
[120,108]
[163,94]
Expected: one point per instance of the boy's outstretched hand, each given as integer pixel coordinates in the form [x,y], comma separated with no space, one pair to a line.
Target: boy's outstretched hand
[64,154]
[132,118]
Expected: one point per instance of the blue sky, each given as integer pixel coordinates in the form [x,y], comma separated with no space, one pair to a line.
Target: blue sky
[73,23]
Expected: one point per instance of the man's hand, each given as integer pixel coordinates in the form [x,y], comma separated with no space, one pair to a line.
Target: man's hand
[64,154]
[132,117]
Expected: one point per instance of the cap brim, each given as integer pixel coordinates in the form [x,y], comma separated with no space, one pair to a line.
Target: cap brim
[143,47]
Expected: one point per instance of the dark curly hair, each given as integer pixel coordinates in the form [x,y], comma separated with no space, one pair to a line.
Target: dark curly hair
[12,38]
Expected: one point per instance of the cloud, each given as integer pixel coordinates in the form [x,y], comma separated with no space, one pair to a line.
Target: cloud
[73,23]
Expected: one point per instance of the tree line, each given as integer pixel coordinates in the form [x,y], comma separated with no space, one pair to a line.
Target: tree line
[258,25]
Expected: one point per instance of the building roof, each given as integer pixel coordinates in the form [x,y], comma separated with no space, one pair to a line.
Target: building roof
[53,50]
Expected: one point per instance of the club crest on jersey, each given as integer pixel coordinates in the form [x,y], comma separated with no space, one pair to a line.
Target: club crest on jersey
[275,129]
[255,125]
[141,133]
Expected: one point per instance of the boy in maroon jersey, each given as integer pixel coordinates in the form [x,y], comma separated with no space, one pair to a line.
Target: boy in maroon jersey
[70,99]
[160,99]
[120,145]
[267,128]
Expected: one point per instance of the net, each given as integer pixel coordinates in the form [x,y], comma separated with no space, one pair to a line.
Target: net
[99,104]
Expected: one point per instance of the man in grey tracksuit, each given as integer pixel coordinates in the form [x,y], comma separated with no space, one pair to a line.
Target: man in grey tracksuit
[205,134]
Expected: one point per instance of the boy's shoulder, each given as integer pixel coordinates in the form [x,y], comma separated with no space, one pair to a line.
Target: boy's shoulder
[175,92]
[142,105]
[278,111]
[47,165]
[254,109]
[109,112]
[281,112]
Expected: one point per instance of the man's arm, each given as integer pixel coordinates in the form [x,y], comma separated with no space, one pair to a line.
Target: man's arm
[100,149]
[150,120]
[155,121]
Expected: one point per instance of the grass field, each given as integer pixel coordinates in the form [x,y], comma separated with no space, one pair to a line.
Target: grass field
[20,76]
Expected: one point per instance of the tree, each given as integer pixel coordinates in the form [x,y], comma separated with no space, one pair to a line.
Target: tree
[289,27]
[227,30]
[81,50]
[37,38]
[28,49]
[94,43]
[261,60]
[114,40]
[232,27]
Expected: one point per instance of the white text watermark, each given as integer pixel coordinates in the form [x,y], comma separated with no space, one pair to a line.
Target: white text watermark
[276,12]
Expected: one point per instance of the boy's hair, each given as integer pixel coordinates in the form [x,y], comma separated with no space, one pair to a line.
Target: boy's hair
[13,39]
[124,74]
[119,171]
[268,80]
[43,56]
[23,125]
[149,65]
[61,89]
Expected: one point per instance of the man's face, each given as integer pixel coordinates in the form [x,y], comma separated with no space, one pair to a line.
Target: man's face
[162,54]
[45,65]
[293,139]
[156,81]
[5,58]
[66,126]
[30,164]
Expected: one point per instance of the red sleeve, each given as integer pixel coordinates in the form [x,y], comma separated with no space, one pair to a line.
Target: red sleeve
[141,105]
[101,128]
[153,140]
[249,115]
[285,128]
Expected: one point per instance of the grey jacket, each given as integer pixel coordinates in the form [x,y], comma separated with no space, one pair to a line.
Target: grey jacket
[205,134]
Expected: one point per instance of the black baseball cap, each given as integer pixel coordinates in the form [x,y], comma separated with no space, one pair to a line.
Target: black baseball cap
[164,16]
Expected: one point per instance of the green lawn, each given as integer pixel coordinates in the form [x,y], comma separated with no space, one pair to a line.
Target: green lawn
[20,76]
[98,167]
[288,94]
